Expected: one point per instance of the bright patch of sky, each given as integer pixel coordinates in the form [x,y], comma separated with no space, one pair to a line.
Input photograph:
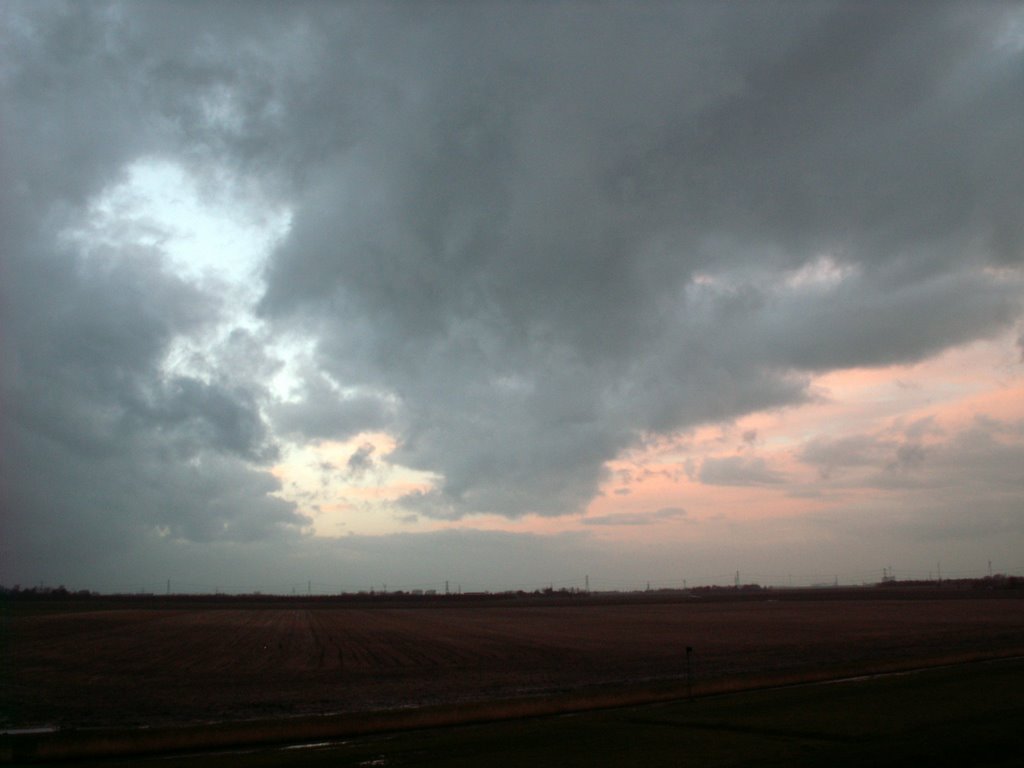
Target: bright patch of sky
[1011,38]
[204,235]
[823,273]
[350,487]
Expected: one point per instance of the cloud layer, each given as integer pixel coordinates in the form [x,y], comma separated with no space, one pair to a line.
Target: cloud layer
[523,239]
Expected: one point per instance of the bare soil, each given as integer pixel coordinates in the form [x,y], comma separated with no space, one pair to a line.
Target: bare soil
[165,664]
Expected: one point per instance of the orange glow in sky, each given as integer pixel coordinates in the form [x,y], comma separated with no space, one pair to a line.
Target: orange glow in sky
[657,490]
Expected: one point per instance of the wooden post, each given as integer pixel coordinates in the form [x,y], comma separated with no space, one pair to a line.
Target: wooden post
[689,673]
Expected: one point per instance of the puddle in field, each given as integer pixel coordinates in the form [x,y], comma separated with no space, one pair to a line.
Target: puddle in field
[315,745]
[36,729]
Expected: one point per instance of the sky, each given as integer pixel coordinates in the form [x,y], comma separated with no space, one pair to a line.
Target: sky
[508,295]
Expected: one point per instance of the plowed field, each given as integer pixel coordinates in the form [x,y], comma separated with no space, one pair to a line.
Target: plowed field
[153,665]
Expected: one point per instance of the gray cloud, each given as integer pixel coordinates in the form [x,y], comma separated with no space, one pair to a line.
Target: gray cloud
[859,324]
[639,518]
[323,411]
[224,419]
[978,464]
[361,459]
[738,470]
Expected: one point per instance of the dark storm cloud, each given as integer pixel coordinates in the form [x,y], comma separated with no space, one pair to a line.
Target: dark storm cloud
[323,411]
[225,419]
[512,243]
[523,235]
[100,444]
[865,325]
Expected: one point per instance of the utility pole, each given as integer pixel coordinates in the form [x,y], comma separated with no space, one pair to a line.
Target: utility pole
[168,586]
[586,583]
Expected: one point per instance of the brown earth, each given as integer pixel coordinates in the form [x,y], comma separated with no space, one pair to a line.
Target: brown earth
[168,664]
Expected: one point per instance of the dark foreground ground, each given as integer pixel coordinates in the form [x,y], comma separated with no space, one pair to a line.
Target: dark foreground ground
[969,715]
[519,682]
